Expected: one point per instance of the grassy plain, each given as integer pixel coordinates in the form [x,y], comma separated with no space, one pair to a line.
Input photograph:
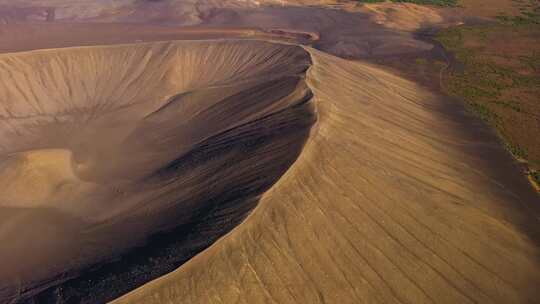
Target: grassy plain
[498,77]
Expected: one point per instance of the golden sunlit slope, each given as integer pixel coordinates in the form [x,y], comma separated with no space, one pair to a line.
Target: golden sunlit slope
[390,201]
[101,147]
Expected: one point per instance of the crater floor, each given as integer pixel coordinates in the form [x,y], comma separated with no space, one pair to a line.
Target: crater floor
[102,147]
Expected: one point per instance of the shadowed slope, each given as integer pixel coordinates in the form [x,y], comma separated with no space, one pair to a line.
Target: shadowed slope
[101,147]
[391,201]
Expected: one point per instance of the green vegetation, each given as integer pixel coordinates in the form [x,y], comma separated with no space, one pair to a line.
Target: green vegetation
[425,2]
[535,175]
[497,75]
[530,14]
[495,69]
[421,61]
[483,83]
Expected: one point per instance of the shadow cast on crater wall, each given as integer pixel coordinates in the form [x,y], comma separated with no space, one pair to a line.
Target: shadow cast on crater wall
[181,139]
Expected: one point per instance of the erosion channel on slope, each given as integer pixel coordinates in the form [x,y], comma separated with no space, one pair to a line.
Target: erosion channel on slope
[398,196]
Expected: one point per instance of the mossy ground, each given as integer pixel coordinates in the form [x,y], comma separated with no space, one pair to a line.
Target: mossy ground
[499,79]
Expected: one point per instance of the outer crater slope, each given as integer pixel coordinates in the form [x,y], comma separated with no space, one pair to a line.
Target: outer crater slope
[393,200]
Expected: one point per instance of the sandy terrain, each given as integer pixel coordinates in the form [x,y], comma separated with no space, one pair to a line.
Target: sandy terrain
[384,205]
[403,16]
[125,163]
[339,38]
[297,176]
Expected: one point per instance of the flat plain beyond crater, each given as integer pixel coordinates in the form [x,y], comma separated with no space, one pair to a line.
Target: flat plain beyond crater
[148,155]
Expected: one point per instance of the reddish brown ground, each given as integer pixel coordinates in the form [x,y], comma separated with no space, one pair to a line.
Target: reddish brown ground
[501,79]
